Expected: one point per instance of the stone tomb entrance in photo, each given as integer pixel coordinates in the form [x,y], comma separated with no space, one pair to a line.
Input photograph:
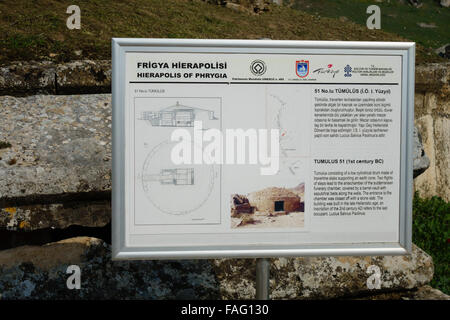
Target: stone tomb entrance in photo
[279,206]
[275,200]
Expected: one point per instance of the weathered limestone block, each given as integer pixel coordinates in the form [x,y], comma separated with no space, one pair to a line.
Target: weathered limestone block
[432,112]
[39,272]
[324,277]
[84,76]
[60,151]
[428,293]
[24,78]
[442,139]
[432,77]
[56,215]
[88,76]
[423,293]
[420,159]
[59,145]
[426,183]
[46,77]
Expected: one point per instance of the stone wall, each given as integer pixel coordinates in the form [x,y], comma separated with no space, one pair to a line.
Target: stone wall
[432,118]
[431,104]
[55,189]
[39,272]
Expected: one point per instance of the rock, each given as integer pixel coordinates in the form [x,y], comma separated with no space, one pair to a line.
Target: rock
[56,215]
[58,164]
[415,3]
[27,78]
[445,3]
[58,150]
[84,76]
[427,293]
[39,272]
[59,144]
[420,159]
[444,51]
[236,7]
[432,118]
[423,293]
[426,25]
[33,272]
[250,6]
[239,205]
[433,77]
[324,277]
[24,78]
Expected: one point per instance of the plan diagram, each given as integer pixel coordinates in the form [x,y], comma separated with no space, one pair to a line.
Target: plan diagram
[186,193]
[176,189]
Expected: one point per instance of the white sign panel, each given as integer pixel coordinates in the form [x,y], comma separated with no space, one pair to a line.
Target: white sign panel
[261,148]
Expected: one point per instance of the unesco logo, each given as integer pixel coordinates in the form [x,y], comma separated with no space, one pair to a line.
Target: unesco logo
[258,67]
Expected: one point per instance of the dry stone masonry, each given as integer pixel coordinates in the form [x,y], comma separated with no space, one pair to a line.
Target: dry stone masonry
[55,174]
[39,272]
[432,118]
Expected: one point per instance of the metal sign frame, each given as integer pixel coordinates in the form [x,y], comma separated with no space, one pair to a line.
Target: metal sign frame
[120,47]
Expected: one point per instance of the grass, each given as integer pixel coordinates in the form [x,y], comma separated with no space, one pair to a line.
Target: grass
[431,232]
[36,30]
[396,16]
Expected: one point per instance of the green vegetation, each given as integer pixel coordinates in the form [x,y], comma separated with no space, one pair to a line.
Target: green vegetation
[36,30]
[396,16]
[431,232]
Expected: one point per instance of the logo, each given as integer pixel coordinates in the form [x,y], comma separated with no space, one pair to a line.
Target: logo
[328,70]
[302,68]
[348,71]
[258,67]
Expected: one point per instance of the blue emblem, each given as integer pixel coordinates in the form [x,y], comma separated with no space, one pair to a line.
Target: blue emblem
[348,71]
[302,68]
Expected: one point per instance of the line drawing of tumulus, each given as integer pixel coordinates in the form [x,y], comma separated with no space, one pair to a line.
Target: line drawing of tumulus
[177,115]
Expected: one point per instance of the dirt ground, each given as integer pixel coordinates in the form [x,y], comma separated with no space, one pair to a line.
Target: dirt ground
[263,220]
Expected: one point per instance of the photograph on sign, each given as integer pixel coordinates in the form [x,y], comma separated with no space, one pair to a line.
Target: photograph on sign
[233,148]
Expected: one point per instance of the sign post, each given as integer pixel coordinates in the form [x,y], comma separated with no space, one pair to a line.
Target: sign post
[261,148]
[262,279]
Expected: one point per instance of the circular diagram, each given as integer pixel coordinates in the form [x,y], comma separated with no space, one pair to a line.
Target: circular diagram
[176,189]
